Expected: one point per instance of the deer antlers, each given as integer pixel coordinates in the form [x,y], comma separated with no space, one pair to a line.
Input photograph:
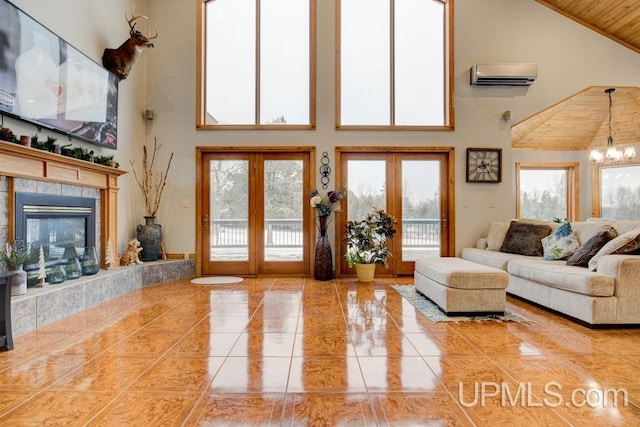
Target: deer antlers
[132,24]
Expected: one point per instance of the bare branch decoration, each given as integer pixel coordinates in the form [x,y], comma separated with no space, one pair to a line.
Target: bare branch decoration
[152,183]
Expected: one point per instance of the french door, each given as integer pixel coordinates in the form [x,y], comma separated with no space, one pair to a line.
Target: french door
[253,214]
[416,186]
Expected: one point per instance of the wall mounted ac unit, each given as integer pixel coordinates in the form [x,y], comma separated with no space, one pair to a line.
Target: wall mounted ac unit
[504,74]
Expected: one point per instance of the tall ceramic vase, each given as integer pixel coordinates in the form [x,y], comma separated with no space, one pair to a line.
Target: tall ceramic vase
[18,281]
[323,264]
[150,238]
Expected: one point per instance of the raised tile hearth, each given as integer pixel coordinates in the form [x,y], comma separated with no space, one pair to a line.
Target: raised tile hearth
[41,306]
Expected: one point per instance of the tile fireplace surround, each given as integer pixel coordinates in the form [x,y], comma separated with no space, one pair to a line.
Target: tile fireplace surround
[41,306]
[24,169]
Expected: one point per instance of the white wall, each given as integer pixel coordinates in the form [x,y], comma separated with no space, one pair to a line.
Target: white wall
[570,57]
[90,26]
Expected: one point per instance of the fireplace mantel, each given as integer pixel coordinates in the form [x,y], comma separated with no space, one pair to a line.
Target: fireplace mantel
[25,162]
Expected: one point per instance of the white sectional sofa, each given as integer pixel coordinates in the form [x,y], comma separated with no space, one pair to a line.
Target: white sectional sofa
[609,295]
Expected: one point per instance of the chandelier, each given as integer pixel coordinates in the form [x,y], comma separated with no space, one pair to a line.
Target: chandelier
[612,154]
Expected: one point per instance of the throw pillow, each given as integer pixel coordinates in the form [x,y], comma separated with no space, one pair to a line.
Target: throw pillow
[591,247]
[626,243]
[586,230]
[495,237]
[561,244]
[525,239]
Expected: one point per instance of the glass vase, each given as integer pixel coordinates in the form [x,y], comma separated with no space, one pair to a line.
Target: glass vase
[57,274]
[89,262]
[73,268]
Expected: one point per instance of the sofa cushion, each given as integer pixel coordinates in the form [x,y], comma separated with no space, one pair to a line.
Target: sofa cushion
[621,226]
[459,273]
[588,250]
[557,274]
[496,235]
[626,243]
[493,259]
[525,239]
[561,244]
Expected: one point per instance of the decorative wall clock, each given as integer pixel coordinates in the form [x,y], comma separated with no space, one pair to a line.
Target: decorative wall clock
[484,165]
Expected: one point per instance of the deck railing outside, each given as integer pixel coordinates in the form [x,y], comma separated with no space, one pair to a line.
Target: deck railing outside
[287,233]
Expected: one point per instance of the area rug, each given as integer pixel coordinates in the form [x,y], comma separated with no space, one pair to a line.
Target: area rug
[433,313]
[217,280]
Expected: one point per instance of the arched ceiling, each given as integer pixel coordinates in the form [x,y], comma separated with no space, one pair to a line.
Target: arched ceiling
[580,122]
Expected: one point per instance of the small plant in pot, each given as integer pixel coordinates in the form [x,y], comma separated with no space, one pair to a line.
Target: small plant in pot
[13,256]
[367,242]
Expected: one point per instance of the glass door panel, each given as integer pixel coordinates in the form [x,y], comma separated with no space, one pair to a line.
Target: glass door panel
[229,210]
[410,185]
[255,214]
[366,183]
[283,210]
[421,204]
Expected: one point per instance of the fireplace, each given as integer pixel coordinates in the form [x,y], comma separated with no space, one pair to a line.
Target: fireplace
[62,225]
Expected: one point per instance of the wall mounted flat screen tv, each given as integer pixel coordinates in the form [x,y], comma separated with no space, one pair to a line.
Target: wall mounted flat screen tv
[46,81]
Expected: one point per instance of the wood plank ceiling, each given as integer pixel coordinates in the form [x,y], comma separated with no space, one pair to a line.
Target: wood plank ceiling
[580,122]
[616,19]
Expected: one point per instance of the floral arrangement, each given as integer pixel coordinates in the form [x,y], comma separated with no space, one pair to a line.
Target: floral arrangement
[14,254]
[367,238]
[328,203]
[152,183]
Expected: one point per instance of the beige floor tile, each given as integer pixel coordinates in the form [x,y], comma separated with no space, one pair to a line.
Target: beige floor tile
[295,351]
[327,409]
[325,374]
[418,409]
[159,409]
[237,409]
[406,374]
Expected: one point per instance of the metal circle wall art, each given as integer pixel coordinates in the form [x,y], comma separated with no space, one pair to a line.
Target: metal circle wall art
[325,170]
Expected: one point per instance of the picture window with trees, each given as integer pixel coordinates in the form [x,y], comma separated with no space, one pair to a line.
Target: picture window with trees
[617,192]
[547,190]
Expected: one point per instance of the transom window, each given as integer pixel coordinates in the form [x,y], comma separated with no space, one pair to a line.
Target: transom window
[617,192]
[547,190]
[256,61]
[394,64]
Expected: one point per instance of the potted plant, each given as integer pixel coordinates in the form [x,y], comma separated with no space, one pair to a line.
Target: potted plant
[13,256]
[367,241]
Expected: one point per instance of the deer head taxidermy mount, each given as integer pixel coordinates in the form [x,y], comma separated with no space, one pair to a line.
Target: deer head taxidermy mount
[119,61]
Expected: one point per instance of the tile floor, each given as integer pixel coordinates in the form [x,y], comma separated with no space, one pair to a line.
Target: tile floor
[293,351]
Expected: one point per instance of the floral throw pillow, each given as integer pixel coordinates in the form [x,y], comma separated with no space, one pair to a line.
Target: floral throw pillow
[561,244]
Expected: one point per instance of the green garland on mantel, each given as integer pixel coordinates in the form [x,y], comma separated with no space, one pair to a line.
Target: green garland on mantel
[66,150]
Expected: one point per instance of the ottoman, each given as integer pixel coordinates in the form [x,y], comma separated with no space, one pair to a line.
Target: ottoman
[461,287]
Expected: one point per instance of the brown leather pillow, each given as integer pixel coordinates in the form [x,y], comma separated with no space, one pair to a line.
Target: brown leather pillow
[525,239]
[591,247]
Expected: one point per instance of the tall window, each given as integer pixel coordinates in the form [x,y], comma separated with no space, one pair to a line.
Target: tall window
[394,64]
[547,191]
[617,192]
[256,61]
